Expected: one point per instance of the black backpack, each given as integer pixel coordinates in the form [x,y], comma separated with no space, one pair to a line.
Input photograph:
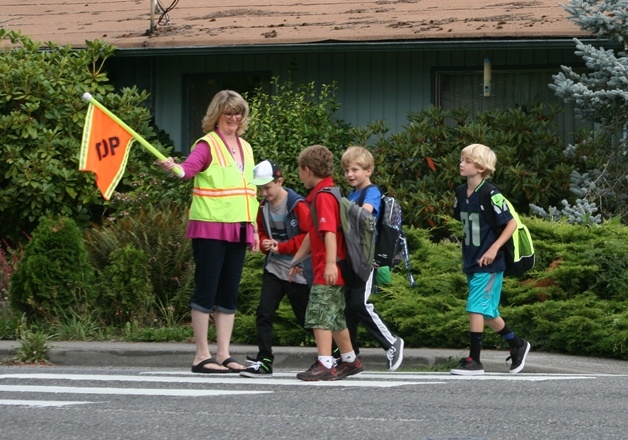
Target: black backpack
[391,246]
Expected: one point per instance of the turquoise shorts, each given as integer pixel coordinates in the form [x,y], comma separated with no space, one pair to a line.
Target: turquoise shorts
[485,290]
[326,308]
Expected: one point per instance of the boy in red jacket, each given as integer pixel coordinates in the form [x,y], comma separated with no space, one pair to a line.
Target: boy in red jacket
[283,220]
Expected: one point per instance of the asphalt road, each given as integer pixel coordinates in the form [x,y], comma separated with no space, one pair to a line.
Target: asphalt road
[46,403]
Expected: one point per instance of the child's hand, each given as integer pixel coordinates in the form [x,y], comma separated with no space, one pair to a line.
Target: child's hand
[270,246]
[274,247]
[295,270]
[488,257]
[331,273]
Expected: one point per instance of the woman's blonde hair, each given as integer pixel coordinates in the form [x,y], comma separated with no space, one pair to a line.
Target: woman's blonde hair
[360,155]
[482,156]
[226,101]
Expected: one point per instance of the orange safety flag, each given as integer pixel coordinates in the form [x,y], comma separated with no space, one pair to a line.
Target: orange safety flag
[104,149]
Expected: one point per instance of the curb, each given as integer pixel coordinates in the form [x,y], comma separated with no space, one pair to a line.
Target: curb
[180,355]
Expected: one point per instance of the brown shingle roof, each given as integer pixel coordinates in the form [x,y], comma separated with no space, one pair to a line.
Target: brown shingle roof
[124,23]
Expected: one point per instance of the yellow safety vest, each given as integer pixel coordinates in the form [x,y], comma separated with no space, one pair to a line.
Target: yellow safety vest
[222,193]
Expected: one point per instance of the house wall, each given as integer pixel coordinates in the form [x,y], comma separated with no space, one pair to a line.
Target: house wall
[372,83]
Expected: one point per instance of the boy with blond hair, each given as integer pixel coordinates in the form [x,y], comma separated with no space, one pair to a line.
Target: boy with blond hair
[325,241]
[358,164]
[483,261]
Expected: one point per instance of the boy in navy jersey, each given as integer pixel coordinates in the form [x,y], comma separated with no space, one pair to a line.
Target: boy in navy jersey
[483,263]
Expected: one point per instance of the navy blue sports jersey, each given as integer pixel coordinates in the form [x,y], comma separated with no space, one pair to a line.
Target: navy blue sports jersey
[478,234]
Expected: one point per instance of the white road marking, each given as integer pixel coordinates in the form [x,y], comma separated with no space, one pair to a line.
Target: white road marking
[489,376]
[218,379]
[39,403]
[121,391]
[364,380]
[385,376]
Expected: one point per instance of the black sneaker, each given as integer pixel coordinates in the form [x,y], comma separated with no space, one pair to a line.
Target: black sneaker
[346,369]
[395,354]
[518,357]
[258,368]
[318,372]
[468,367]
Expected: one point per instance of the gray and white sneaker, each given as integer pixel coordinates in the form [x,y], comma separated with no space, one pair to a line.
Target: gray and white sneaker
[260,368]
[394,354]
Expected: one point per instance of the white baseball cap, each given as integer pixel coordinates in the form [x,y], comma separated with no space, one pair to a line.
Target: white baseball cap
[265,172]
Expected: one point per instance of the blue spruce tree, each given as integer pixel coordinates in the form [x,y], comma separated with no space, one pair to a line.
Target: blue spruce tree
[600,95]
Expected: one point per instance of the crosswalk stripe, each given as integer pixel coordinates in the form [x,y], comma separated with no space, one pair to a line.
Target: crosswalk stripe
[218,379]
[365,380]
[121,391]
[39,403]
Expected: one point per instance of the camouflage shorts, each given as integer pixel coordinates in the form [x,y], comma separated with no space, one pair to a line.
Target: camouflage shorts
[326,308]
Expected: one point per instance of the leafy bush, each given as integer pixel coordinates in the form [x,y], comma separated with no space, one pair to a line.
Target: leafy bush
[291,118]
[419,166]
[573,300]
[41,124]
[33,347]
[126,288]
[159,232]
[54,274]
[74,326]
[9,322]
[135,333]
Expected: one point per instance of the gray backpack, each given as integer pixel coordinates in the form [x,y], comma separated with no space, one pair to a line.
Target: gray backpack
[360,233]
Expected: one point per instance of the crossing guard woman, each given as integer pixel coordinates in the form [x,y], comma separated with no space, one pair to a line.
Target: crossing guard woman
[221,225]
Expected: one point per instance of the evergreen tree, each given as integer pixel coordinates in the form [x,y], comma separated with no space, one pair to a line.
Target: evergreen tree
[600,95]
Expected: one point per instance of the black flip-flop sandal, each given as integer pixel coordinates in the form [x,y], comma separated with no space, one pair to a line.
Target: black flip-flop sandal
[199,368]
[229,360]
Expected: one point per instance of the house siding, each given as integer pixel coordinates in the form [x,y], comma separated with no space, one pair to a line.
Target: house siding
[372,85]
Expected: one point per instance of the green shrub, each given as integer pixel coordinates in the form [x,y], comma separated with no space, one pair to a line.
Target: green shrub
[159,232]
[419,165]
[74,326]
[33,348]
[136,333]
[55,273]
[41,125]
[564,304]
[9,322]
[126,288]
[291,118]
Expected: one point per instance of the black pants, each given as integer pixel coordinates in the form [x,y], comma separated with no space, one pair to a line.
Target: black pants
[217,274]
[360,311]
[273,291]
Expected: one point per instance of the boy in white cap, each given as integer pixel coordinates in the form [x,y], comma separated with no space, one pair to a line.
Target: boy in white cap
[283,220]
